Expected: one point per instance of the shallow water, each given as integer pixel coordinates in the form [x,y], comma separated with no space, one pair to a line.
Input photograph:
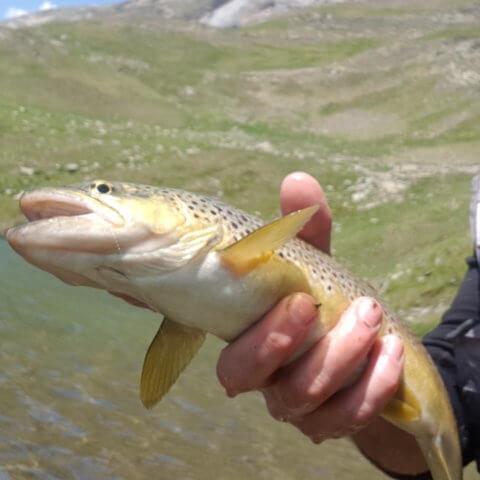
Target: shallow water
[70,361]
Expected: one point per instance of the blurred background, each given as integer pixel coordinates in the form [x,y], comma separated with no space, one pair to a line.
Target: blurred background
[379,100]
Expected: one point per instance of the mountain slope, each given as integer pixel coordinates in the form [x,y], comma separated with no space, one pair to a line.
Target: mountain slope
[379,102]
[214,13]
[161,10]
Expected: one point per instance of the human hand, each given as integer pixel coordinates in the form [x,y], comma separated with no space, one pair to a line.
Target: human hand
[308,392]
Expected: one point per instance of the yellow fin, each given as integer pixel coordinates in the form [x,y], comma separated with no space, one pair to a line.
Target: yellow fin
[243,256]
[404,407]
[169,353]
[399,410]
[442,454]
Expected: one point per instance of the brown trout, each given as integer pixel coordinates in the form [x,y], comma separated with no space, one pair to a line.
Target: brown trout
[198,262]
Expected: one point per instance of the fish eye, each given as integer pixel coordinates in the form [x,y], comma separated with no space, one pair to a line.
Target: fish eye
[104,188]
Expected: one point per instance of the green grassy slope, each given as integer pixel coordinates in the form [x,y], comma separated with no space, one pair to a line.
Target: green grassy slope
[380,104]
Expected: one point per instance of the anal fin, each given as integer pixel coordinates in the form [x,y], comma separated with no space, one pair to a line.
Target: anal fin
[170,352]
[404,406]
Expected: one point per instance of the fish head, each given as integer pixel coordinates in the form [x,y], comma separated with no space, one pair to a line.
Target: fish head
[107,234]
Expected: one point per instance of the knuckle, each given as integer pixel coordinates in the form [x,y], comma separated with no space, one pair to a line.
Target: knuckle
[285,405]
[317,390]
[233,380]
[221,370]
[317,438]
[224,378]
[300,395]
[278,416]
[307,428]
[274,409]
[348,413]
[276,343]
[296,399]
[364,414]
[312,431]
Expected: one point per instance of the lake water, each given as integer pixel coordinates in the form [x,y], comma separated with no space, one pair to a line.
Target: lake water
[70,362]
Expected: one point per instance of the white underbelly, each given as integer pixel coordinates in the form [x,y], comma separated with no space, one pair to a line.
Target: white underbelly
[205,295]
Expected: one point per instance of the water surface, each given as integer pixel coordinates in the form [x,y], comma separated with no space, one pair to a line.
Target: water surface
[70,361]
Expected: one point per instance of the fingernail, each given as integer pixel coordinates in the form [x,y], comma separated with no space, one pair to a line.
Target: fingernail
[301,309]
[370,313]
[394,346]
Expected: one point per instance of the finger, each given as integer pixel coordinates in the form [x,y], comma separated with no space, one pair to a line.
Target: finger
[355,407]
[300,190]
[326,368]
[247,363]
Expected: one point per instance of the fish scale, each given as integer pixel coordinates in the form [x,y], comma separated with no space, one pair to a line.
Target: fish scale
[209,267]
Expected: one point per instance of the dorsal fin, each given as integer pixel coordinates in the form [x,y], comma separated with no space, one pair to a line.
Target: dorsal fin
[258,247]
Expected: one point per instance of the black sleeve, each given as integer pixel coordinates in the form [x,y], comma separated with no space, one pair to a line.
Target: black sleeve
[454,346]
[462,315]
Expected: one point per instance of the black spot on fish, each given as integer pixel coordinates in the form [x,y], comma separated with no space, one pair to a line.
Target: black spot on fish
[142,194]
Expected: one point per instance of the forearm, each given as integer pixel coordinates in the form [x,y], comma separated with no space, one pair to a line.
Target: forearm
[391,449]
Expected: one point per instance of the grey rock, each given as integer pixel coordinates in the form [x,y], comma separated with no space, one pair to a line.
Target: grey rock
[27,170]
[72,167]
[239,13]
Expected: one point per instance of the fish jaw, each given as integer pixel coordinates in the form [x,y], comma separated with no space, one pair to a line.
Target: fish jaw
[64,220]
[70,234]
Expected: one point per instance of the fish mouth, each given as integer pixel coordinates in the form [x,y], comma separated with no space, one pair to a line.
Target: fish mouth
[45,204]
[65,220]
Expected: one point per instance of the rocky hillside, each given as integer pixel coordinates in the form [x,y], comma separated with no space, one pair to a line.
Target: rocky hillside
[215,13]
[379,99]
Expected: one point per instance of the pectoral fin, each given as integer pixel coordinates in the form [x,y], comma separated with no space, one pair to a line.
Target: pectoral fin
[169,353]
[258,247]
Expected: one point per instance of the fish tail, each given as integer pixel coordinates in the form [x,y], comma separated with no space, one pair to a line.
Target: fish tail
[443,456]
